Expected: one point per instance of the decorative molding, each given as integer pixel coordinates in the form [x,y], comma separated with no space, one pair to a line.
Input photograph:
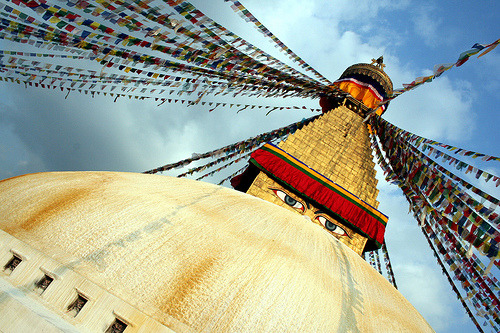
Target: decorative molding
[372,71]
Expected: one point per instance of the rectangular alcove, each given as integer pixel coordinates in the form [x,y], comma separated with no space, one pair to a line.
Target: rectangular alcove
[77,305]
[42,284]
[11,265]
[118,326]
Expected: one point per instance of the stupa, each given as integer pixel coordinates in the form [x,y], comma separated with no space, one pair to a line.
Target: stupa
[114,252]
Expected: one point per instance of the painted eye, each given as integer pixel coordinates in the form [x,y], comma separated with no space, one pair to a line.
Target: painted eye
[289,200]
[330,226]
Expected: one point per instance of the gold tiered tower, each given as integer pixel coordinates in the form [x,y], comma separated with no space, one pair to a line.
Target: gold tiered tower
[336,145]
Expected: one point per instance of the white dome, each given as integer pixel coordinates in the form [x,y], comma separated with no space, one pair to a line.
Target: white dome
[212,258]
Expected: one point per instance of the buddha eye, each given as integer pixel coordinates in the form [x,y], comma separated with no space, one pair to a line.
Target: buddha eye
[289,200]
[330,226]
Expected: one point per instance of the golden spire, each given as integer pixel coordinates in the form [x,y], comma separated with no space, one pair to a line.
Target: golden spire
[379,62]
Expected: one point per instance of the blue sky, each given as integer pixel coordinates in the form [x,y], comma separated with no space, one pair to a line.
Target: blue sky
[40,130]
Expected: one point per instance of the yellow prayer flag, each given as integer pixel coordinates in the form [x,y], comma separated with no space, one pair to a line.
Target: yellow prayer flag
[489,49]
[55,19]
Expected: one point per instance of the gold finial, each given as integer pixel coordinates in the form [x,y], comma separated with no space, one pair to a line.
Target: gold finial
[379,62]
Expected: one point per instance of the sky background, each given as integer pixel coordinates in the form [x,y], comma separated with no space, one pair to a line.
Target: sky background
[40,130]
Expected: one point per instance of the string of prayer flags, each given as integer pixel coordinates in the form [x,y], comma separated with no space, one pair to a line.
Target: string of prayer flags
[211,173]
[440,69]
[454,288]
[228,39]
[217,161]
[89,91]
[41,55]
[455,254]
[393,131]
[388,266]
[374,259]
[444,195]
[466,271]
[450,193]
[176,84]
[377,261]
[248,16]
[418,140]
[371,257]
[237,172]
[448,216]
[252,142]
[234,42]
[66,29]
[463,152]
[459,165]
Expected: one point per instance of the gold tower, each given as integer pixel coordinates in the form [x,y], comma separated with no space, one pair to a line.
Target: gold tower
[336,146]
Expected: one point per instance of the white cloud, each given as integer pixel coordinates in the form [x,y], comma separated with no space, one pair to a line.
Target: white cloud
[425,289]
[488,70]
[440,110]
[426,26]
